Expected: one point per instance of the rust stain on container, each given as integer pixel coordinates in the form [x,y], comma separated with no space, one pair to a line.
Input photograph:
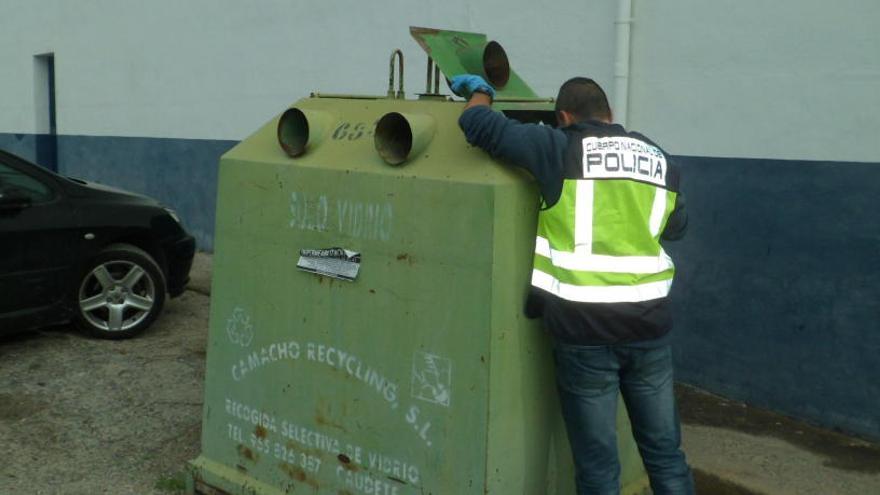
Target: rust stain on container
[260,431]
[247,453]
[406,257]
[293,472]
[296,473]
[324,415]
[321,420]
[346,463]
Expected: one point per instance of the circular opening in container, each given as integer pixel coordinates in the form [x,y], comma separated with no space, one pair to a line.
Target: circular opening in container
[495,64]
[393,138]
[293,132]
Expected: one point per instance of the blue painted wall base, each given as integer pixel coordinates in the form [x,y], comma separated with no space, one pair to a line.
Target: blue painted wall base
[23,145]
[778,292]
[777,296]
[182,173]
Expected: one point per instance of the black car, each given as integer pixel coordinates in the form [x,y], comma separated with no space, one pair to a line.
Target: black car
[71,250]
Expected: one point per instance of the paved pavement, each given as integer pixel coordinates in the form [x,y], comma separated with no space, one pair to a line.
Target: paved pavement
[752,451]
[83,416]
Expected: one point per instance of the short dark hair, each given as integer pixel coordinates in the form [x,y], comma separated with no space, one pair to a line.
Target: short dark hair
[583,98]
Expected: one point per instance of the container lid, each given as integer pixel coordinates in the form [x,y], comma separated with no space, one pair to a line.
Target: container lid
[460,52]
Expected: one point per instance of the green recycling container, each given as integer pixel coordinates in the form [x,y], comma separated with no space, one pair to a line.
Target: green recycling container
[367,333]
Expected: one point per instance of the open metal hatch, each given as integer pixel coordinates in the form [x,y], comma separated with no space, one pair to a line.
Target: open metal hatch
[460,52]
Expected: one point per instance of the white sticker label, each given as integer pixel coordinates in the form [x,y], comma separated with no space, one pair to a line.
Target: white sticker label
[332,262]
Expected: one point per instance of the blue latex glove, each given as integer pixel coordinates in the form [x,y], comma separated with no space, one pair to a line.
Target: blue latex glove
[465,85]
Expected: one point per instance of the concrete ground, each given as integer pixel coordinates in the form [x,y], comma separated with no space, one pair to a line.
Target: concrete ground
[736,449]
[86,416]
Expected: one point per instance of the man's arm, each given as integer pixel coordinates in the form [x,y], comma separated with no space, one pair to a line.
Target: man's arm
[536,148]
[479,100]
[676,225]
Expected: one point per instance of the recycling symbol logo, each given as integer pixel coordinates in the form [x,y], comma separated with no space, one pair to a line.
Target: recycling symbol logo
[432,378]
[239,328]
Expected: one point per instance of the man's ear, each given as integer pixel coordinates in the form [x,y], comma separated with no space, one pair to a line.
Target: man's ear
[564,119]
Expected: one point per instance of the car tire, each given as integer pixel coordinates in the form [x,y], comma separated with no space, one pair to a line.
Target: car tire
[120,293]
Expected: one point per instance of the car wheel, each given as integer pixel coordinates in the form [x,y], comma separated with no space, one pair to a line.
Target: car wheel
[120,293]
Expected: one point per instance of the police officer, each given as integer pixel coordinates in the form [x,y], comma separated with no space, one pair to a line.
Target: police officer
[600,278]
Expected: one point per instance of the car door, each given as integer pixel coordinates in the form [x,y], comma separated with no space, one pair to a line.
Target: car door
[38,245]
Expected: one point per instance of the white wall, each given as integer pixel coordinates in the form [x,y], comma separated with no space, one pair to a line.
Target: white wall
[788,79]
[217,69]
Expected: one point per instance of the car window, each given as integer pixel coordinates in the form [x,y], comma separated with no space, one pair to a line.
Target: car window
[12,179]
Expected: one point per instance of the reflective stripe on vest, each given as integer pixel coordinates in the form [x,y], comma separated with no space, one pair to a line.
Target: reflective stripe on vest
[601,294]
[600,241]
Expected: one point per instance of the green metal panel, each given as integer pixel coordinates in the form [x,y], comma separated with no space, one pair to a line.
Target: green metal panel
[419,377]
[460,52]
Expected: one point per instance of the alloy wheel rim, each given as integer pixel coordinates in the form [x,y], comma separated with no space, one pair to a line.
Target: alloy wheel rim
[117,296]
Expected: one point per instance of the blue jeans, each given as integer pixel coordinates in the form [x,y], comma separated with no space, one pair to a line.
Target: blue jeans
[589,378]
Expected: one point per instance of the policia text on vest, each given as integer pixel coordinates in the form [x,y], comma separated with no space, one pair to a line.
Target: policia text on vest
[623,158]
